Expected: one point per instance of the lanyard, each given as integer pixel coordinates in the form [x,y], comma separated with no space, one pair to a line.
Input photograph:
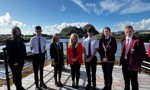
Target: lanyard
[105,48]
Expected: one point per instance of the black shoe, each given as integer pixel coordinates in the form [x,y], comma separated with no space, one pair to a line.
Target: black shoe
[77,85]
[104,88]
[57,84]
[60,84]
[94,88]
[88,86]
[37,87]
[20,88]
[73,85]
[43,85]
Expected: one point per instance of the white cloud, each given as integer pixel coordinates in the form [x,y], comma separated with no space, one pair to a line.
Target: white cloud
[94,8]
[80,4]
[7,22]
[136,6]
[5,19]
[17,23]
[50,30]
[63,8]
[111,6]
[125,6]
[141,25]
[88,7]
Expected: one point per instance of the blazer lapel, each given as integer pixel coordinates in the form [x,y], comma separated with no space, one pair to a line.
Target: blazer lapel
[131,44]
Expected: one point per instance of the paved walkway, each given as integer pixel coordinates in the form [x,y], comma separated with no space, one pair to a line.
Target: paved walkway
[118,82]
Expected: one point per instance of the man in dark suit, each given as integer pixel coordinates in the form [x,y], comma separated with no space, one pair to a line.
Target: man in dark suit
[132,55]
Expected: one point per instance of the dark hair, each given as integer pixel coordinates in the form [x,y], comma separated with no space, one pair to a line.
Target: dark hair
[14,31]
[89,28]
[129,27]
[38,28]
[103,36]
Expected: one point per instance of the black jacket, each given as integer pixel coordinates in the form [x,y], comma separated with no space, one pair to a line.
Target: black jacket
[16,51]
[56,54]
[111,50]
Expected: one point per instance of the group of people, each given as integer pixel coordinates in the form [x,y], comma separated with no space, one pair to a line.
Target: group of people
[132,55]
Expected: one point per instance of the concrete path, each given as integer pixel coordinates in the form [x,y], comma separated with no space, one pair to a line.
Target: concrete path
[118,82]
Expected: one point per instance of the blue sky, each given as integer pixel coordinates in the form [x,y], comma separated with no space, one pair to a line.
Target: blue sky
[53,15]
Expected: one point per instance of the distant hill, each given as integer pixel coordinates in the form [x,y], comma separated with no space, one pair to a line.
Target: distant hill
[67,31]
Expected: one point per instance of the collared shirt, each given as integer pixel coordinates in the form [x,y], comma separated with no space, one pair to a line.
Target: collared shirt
[107,37]
[94,44]
[128,40]
[35,46]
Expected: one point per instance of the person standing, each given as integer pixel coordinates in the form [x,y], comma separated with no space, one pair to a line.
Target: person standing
[107,50]
[16,52]
[90,47]
[38,45]
[57,57]
[74,52]
[132,54]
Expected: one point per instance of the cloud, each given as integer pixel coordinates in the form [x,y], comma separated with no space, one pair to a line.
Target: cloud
[89,7]
[136,6]
[141,25]
[63,8]
[80,4]
[125,6]
[94,8]
[17,23]
[51,30]
[6,20]
[111,6]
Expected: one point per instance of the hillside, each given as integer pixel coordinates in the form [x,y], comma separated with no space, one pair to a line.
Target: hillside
[67,31]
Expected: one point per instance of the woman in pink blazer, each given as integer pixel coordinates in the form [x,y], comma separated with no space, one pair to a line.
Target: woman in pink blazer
[74,52]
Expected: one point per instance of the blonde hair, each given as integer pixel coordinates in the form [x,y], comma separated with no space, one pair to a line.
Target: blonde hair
[53,38]
[70,40]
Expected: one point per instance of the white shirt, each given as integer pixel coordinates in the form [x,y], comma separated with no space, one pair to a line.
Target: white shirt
[35,46]
[94,44]
[128,38]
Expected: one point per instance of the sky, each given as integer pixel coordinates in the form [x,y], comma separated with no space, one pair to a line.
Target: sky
[54,15]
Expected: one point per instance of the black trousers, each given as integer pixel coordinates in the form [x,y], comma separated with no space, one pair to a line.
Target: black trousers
[58,70]
[38,63]
[75,71]
[107,70]
[130,76]
[17,75]
[91,67]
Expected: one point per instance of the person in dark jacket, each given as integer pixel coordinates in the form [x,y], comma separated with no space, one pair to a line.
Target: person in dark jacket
[16,51]
[107,50]
[57,55]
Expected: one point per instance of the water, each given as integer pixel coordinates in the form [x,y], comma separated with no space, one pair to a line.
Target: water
[64,44]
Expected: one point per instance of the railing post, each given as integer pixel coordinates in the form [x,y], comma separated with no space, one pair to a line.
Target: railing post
[6,68]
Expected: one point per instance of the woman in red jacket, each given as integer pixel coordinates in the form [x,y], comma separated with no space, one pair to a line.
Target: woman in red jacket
[74,52]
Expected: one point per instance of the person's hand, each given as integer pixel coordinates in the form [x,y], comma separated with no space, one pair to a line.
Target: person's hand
[24,61]
[16,64]
[105,59]
[74,59]
[53,63]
